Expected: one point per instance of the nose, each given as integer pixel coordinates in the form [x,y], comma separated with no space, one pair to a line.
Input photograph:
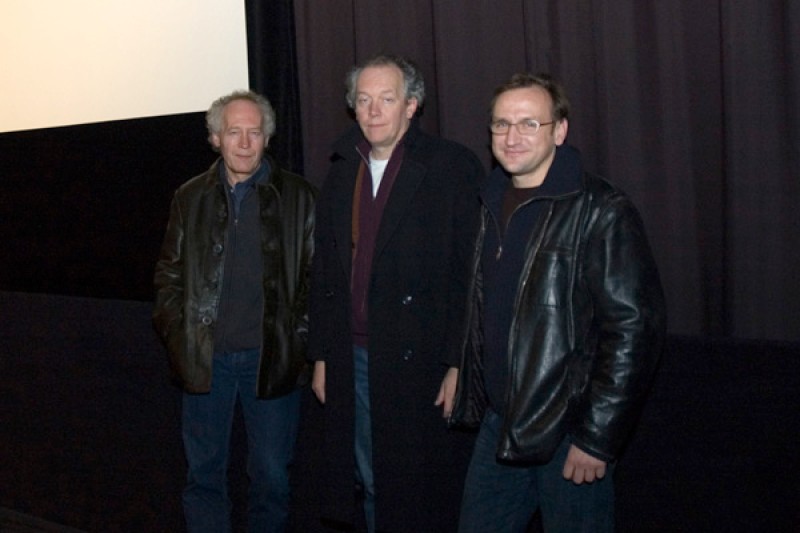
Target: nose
[244,141]
[373,108]
[513,135]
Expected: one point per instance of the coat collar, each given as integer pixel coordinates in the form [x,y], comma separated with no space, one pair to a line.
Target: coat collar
[564,178]
[352,143]
[410,175]
[268,172]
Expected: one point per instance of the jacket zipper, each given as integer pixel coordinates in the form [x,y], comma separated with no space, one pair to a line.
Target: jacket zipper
[531,255]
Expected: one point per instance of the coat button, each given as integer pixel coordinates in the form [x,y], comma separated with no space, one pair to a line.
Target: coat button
[217,249]
[408,354]
[329,294]
[407,299]
[206,320]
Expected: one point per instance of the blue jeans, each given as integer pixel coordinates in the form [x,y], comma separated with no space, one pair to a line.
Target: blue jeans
[271,427]
[502,497]
[363,431]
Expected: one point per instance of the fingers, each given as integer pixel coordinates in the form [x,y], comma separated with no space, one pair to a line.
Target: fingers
[439,397]
[318,381]
[580,467]
[447,392]
[446,402]
[585,475]
[320,394]
[441,401]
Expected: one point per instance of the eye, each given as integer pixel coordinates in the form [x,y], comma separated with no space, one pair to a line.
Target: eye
[389,99]
[362,101]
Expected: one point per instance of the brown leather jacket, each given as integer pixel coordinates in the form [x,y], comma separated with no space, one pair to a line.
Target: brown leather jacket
[189,275]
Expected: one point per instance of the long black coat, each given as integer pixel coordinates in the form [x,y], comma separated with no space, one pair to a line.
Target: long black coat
[417,299]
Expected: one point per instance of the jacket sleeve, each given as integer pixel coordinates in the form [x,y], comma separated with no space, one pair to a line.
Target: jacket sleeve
[464,223]
[168,280]
[318,321]
[304,274]
[628,324]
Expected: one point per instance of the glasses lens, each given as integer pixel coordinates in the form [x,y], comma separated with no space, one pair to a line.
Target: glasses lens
[528,127]
[525,127]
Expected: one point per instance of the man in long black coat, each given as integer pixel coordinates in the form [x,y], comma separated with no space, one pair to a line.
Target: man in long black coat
[396,220]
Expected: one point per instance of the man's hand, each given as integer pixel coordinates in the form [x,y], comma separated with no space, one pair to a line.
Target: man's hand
[318,381]
[447,391]
[580,467]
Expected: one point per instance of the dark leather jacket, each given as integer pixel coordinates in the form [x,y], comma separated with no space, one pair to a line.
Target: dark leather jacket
[189,275]
[588,322]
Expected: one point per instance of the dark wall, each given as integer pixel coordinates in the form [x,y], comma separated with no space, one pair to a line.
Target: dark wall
[692,108]
[83,208]
[665,98]
[91,429]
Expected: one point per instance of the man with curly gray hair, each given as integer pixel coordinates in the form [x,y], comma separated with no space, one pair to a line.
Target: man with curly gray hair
[397,214]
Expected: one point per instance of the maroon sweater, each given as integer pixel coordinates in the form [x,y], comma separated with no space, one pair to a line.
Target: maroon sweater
[367,213]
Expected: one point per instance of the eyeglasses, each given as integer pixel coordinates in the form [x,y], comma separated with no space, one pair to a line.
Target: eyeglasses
[527,126]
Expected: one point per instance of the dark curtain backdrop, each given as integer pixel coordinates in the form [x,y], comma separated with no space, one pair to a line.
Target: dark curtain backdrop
[272,68]
[691,107]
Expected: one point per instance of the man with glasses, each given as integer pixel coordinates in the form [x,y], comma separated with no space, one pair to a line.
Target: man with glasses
[566,326]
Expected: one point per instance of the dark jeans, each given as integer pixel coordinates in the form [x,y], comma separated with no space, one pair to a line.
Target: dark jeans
[363,441]
[271,427]
[500,497]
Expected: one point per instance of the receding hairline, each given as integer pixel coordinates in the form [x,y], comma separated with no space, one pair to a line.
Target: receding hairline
[390,66]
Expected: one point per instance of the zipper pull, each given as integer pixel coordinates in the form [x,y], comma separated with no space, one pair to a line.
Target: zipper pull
[499,252]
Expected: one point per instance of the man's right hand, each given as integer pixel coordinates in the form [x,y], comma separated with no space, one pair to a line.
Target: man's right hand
[580,467]
[318,381]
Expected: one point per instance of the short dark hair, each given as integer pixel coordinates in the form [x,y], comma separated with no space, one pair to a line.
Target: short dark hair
[525,80]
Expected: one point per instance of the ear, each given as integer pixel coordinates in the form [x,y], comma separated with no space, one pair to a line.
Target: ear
[215,142]
[560,131]
[266,140]
[411,107]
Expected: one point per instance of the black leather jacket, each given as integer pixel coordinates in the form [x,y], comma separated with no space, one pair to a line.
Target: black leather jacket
[189,273]
[588,323]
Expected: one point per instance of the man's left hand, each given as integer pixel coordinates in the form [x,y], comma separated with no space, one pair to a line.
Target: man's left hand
[447,391]
[580,467]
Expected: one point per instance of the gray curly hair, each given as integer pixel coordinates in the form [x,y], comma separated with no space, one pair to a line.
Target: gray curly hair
[413,84]
[215,112]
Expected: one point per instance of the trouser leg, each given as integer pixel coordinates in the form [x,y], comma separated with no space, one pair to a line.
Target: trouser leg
[502,497]
[206,427]
[497,496]
[271,435]
[363,436]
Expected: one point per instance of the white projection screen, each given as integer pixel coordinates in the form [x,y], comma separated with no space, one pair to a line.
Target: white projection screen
[66,62]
